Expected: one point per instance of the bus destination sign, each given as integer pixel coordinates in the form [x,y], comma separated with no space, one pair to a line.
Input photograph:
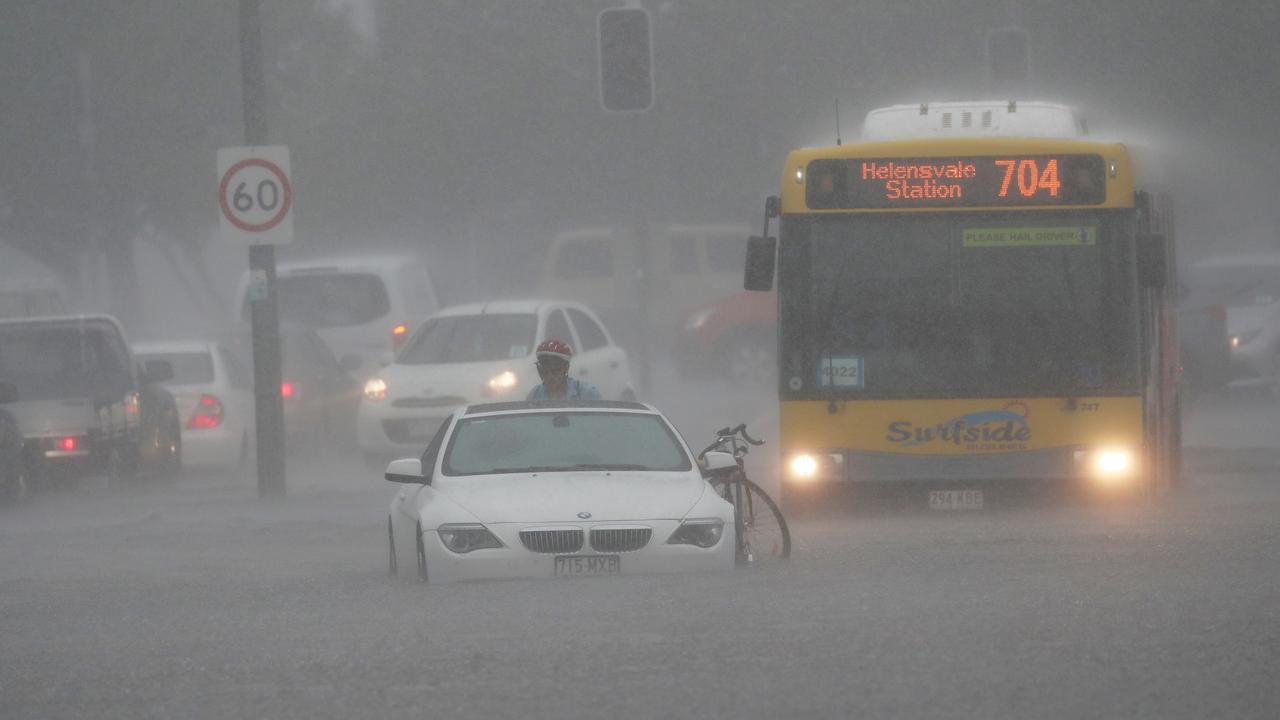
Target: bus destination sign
[976,181]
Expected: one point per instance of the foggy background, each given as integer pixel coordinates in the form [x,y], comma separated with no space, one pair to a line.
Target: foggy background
[472,129]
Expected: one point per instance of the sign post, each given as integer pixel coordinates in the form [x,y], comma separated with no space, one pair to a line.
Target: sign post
[255,203]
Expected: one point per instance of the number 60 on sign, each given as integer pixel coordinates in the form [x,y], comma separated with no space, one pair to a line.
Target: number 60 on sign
[255,195]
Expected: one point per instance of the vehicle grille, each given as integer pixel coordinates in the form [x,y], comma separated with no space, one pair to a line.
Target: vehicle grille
[425,402]
[552,541]
[620,539]
[411,431]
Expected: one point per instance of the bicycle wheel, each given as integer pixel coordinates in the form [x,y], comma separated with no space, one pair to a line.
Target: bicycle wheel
[763,535]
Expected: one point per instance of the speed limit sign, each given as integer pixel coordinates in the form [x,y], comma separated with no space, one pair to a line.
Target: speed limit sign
[255,195]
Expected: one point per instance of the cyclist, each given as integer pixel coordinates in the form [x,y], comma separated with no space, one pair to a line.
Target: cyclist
[553,368]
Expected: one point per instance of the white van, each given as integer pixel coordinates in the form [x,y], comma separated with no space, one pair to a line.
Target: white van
[363,306]
[28,287]
[684,266]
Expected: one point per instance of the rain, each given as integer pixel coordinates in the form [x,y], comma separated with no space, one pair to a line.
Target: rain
[925,366]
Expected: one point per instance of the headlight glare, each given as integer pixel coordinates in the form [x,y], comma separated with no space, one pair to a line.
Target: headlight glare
[502,382]
[704,533]
[375,389]
[803,466]
[465,537]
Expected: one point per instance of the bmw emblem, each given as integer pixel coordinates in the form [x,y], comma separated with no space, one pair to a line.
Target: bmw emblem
[584,515]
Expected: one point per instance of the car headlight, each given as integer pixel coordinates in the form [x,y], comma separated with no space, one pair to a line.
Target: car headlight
[1245,338]
[704,533]
[808,466]
[502,382]
[698,319]
[465,537]
[375,389]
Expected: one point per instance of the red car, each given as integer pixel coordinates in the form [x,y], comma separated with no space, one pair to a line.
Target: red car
[733,337]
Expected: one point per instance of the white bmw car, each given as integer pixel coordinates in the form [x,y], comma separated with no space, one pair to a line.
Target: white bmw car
[531,490]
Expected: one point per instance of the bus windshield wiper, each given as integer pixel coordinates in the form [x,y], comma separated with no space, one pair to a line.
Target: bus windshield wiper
[829,322]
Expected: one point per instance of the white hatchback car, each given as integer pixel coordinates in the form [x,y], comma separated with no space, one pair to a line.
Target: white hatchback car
[531,490]
[481,352]
[212,389]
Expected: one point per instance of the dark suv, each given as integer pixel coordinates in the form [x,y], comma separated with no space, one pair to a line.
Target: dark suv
[81,403]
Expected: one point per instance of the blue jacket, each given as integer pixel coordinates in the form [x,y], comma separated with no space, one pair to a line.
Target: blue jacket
[576,390]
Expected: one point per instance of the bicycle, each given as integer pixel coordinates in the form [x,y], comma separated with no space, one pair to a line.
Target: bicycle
[760,530]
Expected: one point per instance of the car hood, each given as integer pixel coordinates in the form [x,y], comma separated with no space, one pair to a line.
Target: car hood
[1246,318]
[561,497]
[72,416]
[464,381]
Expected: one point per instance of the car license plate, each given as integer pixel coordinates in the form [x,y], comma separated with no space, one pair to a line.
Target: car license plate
[573,565]
[955,499]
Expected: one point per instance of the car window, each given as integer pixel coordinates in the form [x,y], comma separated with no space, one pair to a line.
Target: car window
[585,257]
[589,332]
[684,254]
[726,253]
[331,299]
[238,374]
[558,328]
[52,363]
[563,441]
[471,338]
[189,368]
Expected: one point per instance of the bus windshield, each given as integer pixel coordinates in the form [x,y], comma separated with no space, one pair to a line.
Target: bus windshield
[957,304]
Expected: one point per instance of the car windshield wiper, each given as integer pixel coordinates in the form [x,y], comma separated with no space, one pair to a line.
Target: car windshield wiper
[610,466]
[530,468]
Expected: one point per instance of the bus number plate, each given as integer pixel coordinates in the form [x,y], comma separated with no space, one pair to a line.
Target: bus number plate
[955,499]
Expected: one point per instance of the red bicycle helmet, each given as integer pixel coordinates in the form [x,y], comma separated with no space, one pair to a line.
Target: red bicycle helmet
[556,349]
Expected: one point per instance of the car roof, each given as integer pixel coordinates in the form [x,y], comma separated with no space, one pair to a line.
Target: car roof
[63,320]
[157,347]
[347,263]
[1239,260]
[529,406]
[531,306]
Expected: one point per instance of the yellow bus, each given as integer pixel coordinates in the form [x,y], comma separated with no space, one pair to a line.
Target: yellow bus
[974,300]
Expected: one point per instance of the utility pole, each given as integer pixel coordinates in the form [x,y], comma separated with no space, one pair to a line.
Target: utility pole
[264,318]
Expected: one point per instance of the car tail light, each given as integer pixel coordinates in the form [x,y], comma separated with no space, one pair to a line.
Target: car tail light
[399,334]
[208,413]
[70,443]
[286,390]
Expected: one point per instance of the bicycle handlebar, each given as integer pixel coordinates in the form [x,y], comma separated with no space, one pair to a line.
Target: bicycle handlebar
[726,434]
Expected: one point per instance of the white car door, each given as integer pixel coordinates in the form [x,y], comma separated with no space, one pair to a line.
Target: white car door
[606,361]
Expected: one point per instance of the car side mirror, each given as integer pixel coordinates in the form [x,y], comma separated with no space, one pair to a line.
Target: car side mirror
[8,392]
[407,471]
[717,462]
[156,371]
[1153,261]
[761,253]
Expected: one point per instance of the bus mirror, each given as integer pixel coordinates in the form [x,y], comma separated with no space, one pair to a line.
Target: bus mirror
[760,260]
[1152,261]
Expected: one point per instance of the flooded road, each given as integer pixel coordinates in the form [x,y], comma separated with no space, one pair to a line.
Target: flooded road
[198,600]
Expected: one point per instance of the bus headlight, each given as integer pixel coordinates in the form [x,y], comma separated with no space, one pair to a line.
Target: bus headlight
[811,466]
[1108,465]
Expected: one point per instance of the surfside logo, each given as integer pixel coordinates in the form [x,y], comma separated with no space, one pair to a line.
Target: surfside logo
[1004,429]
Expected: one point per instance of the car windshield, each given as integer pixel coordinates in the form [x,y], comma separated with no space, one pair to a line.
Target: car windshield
[56,363]
[331,299]
[189,368]
[471,338]
[563,441]
[1237,286]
